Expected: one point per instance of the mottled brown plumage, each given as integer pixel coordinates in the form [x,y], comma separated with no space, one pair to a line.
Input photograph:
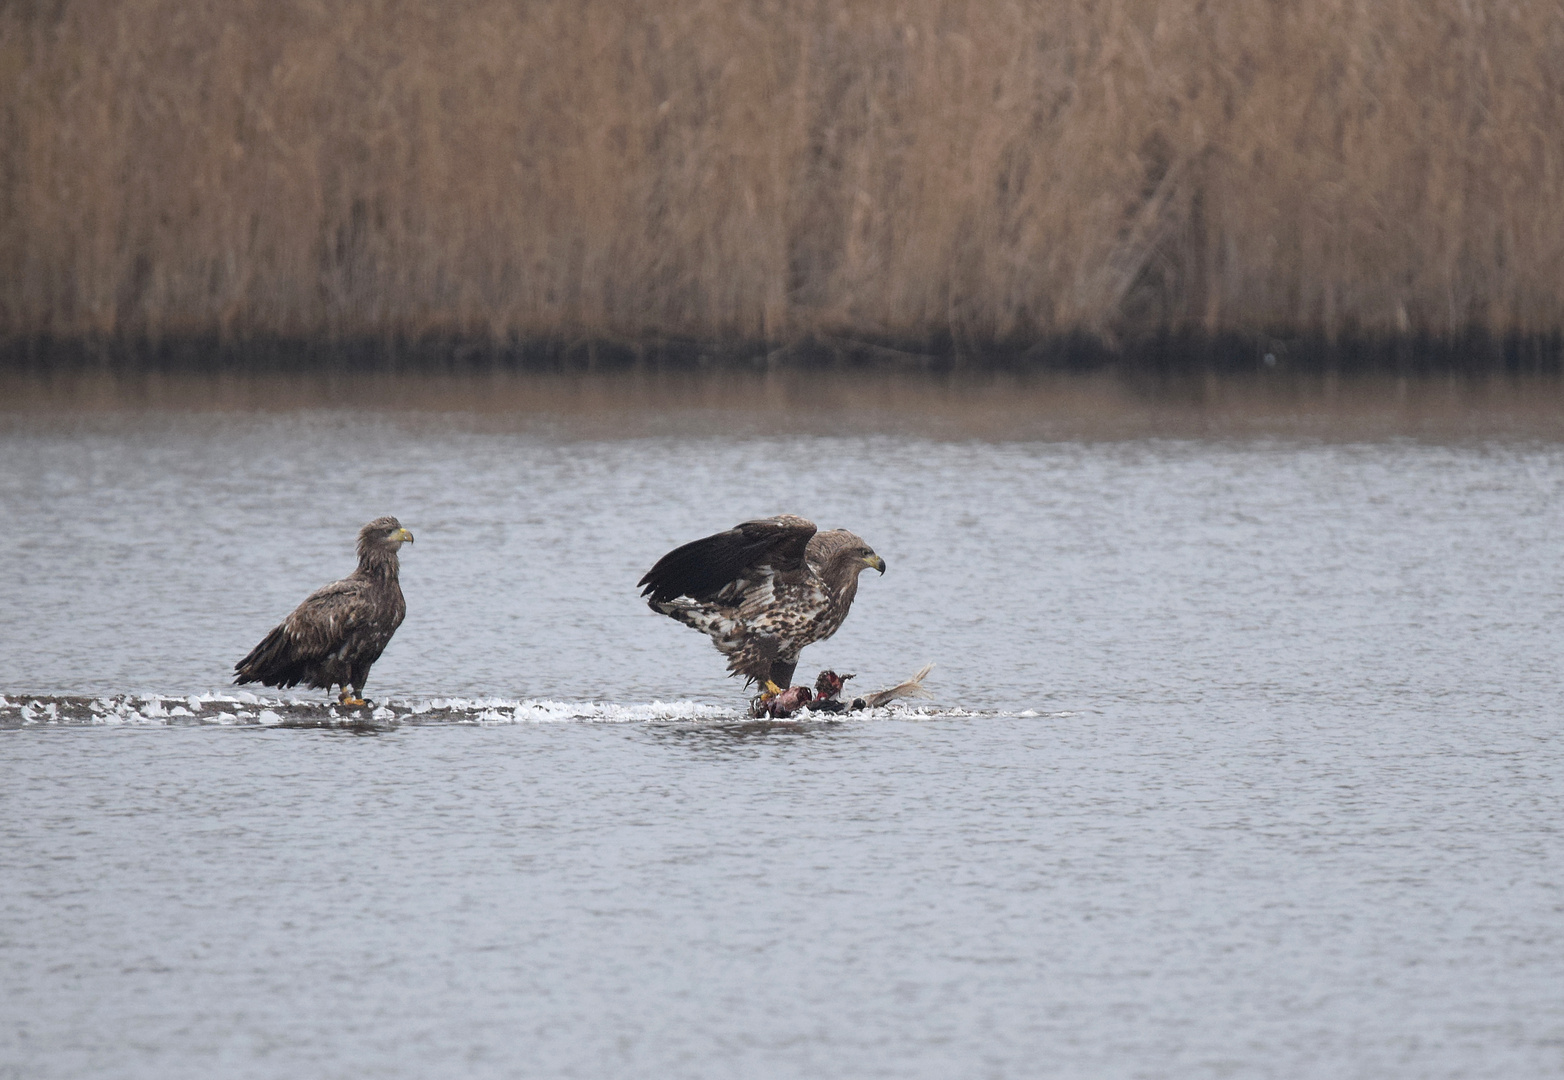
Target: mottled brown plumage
[338,632]
[762,590]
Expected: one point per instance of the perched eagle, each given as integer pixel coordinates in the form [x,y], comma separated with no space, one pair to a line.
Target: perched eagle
[338,632]
[762,591]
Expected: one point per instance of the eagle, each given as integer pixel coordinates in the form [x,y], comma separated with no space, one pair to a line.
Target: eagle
[761,591]
[339,631]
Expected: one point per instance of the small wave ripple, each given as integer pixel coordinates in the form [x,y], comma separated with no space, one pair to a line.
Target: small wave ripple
[246,709]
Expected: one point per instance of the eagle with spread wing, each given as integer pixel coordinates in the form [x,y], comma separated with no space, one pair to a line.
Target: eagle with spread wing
[338,632]
[762,591]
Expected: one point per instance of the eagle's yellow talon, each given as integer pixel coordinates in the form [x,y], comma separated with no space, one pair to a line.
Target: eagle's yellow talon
[772,690]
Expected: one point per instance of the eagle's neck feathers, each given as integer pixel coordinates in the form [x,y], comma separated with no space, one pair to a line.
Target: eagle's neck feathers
[377,564]
[841,578]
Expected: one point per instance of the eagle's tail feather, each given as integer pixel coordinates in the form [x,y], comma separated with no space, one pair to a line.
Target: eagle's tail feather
[272,663]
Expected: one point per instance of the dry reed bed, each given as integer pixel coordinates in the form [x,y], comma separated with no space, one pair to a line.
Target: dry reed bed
[985,171]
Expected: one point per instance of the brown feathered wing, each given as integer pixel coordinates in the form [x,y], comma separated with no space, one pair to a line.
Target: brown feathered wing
[725,565]
[333,637]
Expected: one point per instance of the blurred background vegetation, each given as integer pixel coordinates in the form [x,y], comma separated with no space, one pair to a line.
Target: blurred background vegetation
[913,178]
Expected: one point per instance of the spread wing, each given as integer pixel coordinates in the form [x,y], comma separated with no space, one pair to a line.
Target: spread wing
[705,568]
[331,620]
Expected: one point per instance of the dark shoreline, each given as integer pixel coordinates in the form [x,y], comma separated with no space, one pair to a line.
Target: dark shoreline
[1475,353]
[982,404]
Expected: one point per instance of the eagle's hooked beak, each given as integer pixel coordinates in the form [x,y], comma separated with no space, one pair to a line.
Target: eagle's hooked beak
[875,561]
[404,536]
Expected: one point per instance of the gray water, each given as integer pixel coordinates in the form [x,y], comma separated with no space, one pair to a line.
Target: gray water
[1243,757]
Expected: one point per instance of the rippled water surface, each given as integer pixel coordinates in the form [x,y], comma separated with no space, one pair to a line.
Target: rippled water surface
[1244,756]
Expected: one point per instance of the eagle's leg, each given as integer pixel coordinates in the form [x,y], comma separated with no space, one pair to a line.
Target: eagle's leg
[781,675]
[358,675]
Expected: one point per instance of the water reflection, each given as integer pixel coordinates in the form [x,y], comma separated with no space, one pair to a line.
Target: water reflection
[948,406]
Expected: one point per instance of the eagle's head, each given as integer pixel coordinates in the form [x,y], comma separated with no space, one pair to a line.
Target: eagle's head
[855,555]
[842,556]
[382,535]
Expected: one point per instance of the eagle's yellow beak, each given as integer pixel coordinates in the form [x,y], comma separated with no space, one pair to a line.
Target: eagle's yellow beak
[874,561]
[404,536]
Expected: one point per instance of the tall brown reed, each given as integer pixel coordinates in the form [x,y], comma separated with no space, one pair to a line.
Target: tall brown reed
[767,169]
